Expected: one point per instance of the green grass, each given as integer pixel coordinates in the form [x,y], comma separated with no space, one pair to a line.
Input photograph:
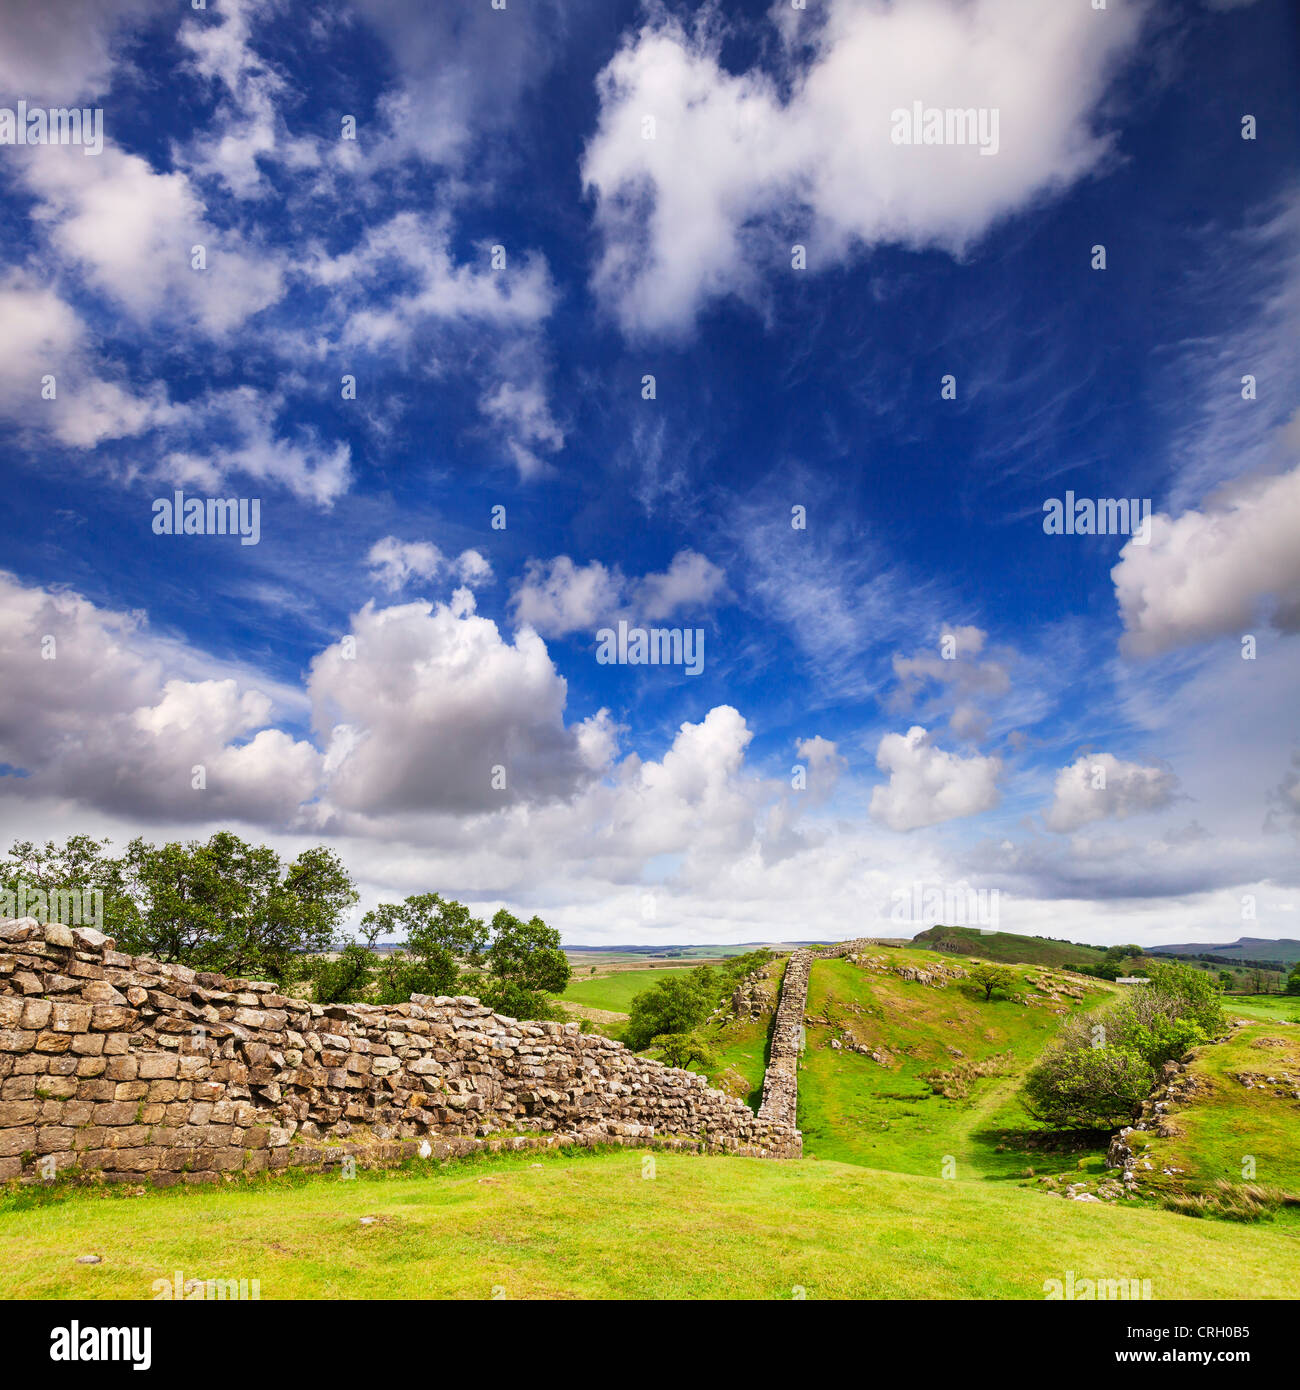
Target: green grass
[614,992]
[855,1110]
[1227,1122]
[744,1050]
[1265,1006]
[591,1226]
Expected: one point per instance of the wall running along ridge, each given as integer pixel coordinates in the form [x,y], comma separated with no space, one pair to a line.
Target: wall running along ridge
[781,1080]
[142,1071]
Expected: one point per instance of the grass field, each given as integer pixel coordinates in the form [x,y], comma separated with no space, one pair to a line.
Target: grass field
[856,1110]
[1231,1132]
[1285,1007]
[614,992]
[591,1226]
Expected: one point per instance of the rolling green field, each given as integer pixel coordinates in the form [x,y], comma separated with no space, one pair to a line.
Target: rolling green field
[591,1225]
[903,1192]
[614,992]
[855,1110]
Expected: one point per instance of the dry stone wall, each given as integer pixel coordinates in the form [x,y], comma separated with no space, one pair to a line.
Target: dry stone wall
[140,1071]
[780,1100]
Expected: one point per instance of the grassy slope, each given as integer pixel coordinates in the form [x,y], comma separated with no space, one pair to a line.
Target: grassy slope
[1229,1121]
[744,1044]
[853,1109]
[744,1049]
[1009,948]
[592,1226]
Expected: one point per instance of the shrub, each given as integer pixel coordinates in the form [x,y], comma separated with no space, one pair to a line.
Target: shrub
[343,980]
[1089,1081]
[1087,1087]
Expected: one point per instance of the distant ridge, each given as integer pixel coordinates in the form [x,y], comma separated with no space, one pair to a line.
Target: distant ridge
[1284,950]
[1005,946]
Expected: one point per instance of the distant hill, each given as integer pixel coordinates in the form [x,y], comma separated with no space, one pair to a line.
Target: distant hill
[1283,951]
[1007,946]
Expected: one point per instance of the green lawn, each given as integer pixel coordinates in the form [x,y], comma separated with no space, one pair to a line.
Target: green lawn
[856,1110]
[591,1226]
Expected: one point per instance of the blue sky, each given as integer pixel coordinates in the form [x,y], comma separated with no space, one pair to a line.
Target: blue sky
[387,672]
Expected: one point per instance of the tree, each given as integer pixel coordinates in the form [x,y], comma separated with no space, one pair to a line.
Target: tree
[1178,991]
[1225,980]
[991,977]
[525,963]
[1293,979]
[343,980]
[681,1049]
[441,937]
[675,1004]
[78,883]
[1079,1083]
[231,907]
[1087,1087]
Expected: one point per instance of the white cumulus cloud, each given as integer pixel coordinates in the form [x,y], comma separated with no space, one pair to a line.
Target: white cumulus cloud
[1209,571]
[1100,786]
[559,597]
[736,166]
[928,785]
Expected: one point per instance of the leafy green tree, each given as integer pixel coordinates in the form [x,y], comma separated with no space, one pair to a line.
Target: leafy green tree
[343,980]
[525,963]
[1078,1083]
[679,1003]
[232,907]
[1293,979]
[441,937]
[1087,1087]
[1115,954]
[81,866]
[1178,991]
[681,1049]
[991,977]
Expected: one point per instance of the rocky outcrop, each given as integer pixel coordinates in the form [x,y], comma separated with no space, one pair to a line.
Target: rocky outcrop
[1129,1150]
[752,997]
[145,1071]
